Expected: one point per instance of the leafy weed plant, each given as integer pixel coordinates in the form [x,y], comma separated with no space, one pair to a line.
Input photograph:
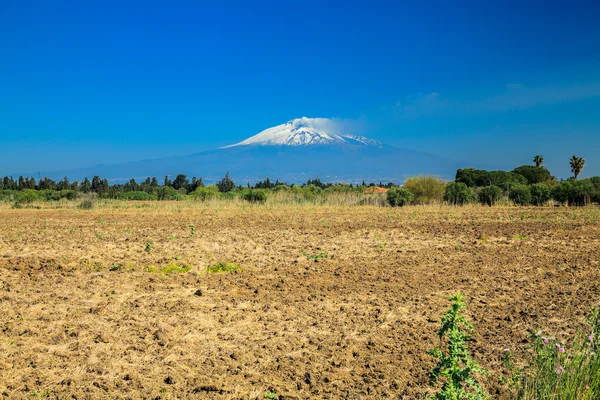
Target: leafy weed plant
[561,372]
[222,267]
[455,366]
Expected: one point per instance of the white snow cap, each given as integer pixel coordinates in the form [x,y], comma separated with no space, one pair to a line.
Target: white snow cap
[305,132]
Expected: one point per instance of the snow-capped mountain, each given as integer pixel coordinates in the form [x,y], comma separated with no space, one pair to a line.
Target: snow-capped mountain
[304,132]
[293,152]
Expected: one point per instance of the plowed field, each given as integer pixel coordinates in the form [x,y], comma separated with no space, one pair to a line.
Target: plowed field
[330,302]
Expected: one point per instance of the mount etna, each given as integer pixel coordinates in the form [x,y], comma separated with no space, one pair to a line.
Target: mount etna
[301,149]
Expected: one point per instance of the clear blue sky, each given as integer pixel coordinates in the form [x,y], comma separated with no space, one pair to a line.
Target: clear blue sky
[88,82]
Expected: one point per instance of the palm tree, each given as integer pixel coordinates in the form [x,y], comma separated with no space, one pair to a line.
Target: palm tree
[538,160]
[577,164]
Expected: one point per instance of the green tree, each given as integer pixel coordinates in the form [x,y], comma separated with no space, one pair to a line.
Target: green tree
[226,184]
[520,194]
[168,182]
[577,165]
[399,197]
[490,195]
[426,189]
[458,193]
[181,182]
[540,193]
[538,160]
[533,174]
[455,366]
[96,184]
[85,186]
[64,184]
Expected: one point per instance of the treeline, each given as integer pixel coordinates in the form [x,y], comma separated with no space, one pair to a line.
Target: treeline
[524,185]
[181,187]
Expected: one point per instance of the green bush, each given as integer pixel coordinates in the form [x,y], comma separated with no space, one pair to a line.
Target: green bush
[426,189]
[398,197]
[575,193]
[582,193]
[540,193]
[490,195]
[137,195]
[254,195]
[562,192]
[86,204]
[168,193]
[520,194]
[56,195]
[28,196]
[9,195]
[206,192]
[458,193]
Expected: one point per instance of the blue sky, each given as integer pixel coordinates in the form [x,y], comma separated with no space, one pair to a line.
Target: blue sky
[91,82]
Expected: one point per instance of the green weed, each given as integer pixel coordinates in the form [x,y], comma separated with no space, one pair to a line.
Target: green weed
[455,366]
[222,267]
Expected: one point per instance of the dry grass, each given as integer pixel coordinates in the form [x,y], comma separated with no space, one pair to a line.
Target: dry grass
[83,314]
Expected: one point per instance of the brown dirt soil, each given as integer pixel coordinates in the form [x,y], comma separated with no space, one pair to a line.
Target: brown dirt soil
[82,317]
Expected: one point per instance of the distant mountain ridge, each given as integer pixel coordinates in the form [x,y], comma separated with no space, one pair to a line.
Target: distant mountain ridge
[301,149]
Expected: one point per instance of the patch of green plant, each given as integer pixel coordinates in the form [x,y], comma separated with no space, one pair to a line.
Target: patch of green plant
[173,267]
[148,248]
[314,256]
[270,395]
[115,267]
[458,246]
[102,221]
[558,371]
[455,367]
[520,237]
[170,268]
[222,267]
[100,236]
[86,205]
[379,244]
[192,230]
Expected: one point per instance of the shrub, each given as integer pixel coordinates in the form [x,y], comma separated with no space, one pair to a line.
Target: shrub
[9,195]
[458,193]
[137,195]
[206,192]
[398,197]
[455,366]
[168,193]
[426,189]
[28,196]
[534,174]
[558,372]
[490,195]
[582,192]
[86,204]
[562,192]
[540,193]
[254,195]
[520,194]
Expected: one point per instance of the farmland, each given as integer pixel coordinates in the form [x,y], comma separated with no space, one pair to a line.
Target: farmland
[303,301]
